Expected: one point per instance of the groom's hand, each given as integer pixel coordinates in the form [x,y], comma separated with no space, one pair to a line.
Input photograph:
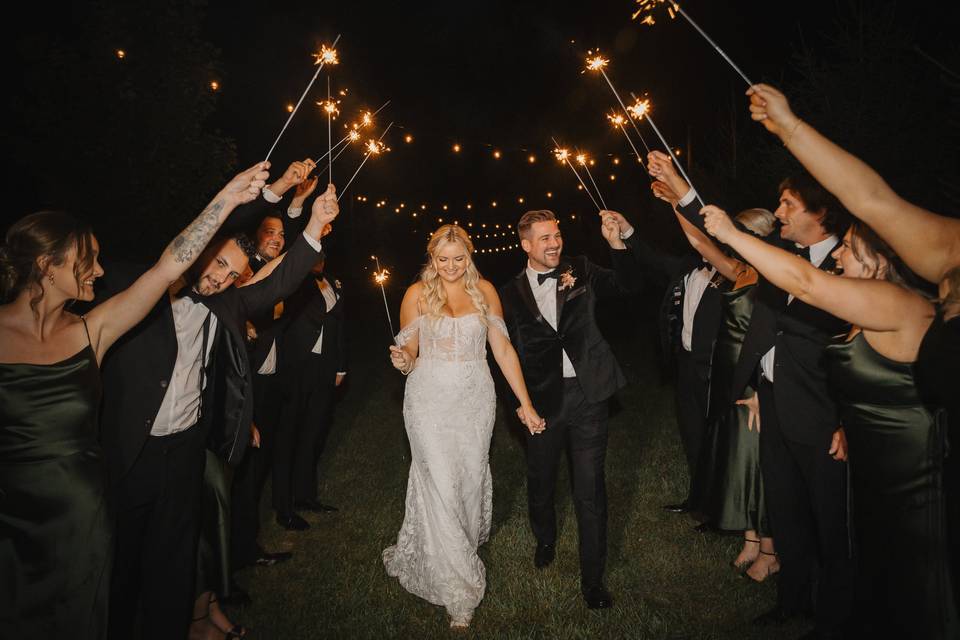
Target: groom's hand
[531,420]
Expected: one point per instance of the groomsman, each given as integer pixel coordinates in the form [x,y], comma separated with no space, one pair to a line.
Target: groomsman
[178,381]
[802,446]
[571,372]
[314,356]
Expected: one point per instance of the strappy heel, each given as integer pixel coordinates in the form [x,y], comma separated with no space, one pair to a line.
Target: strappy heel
[741,567]
[772,569]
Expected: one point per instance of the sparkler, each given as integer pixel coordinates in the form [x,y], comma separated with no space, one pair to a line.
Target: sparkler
[617,121]
[648,6]
[640,109]
[325,57]
[597,63]
[582,160]
[374,148]
[380,276]
[563,156]
[331,108]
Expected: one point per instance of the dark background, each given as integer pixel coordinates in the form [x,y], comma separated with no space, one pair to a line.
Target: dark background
[140,144]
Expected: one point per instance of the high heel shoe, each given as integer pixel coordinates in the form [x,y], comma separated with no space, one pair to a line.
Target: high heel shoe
[741,567]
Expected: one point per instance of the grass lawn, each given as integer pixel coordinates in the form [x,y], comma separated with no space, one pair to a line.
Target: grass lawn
[667,580]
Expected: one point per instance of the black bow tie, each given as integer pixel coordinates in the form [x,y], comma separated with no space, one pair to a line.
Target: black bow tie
[804,252]
[542,277]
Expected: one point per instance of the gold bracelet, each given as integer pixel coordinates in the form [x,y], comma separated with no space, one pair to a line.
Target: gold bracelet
[793,131]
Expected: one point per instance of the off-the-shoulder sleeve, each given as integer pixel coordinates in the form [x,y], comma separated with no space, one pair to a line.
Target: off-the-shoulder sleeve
[499,324]
[408,332]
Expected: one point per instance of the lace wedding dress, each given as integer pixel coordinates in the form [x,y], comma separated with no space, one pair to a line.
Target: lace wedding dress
[449,409]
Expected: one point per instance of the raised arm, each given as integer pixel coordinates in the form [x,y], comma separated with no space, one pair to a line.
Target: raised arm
[111,319]
[874,305]
[507,360]
[927,242]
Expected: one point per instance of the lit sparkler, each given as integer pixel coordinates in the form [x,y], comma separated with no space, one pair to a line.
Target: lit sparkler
[641,109]
[582,161]
[617,120]
[597,63]
[374,148]
[380,276]
[325,57]
[563,156]
[647,8]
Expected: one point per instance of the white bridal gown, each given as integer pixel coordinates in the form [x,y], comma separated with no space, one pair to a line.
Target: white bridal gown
[449,410]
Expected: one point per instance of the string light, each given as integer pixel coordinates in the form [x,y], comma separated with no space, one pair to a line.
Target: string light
[121,54]
[214,85]
[456,148]
[496,154]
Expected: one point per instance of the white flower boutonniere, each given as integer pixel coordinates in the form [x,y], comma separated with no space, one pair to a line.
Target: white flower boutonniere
[336,284]
[567,280]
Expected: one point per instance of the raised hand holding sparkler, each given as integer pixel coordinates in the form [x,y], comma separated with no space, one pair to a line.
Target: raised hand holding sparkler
[640,109]
[647,7]
[327,55]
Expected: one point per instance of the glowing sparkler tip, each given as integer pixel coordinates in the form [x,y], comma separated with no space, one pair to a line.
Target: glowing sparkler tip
[381,276]
[354,136]
[327,55]
[597,63]
[581,158]
[374,147]
[639,109]
[562,155]
[615,119]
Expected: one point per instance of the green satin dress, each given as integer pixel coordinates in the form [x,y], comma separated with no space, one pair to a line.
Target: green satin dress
[55,528]
[727,489]
[896,452]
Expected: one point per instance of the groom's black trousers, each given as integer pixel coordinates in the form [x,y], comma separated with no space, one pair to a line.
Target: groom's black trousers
[580,427]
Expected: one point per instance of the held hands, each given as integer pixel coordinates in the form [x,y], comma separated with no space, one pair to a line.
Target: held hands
[531,419]
[770,108]
[610,228]
[753,407]
[246,185]
[718,223]
[838,446]
[401,360]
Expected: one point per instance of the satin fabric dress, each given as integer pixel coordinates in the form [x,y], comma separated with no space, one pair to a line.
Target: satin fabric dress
[56,533]
[727,490]
[896,451]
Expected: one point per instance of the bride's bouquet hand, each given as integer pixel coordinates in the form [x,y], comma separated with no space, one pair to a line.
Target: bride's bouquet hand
[531,419]
[401,360]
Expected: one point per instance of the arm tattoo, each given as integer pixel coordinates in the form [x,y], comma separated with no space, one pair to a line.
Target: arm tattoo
[195,237]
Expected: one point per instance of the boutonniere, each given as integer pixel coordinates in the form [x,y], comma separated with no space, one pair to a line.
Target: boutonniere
[336,284]
[567,280]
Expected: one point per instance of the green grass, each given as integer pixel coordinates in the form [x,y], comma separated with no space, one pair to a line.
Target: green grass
[667,580]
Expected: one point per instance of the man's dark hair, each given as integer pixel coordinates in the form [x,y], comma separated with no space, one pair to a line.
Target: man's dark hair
[816,199]
[530,218]
[245,243]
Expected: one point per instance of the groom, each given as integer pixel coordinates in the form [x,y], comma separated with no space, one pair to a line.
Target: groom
[570,372]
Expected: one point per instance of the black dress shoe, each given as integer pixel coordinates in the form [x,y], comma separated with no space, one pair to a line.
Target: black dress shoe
[266,559]
[544,555]
[597,597]
[292,522]
[314,506]
[683,507]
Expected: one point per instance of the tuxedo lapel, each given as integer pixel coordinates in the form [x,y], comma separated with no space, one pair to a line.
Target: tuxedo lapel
[562,293]
[526,294]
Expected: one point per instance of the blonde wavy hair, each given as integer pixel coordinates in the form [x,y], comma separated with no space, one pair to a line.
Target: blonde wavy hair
[434,295]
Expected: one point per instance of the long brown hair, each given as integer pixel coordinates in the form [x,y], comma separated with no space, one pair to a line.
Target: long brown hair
[45,233]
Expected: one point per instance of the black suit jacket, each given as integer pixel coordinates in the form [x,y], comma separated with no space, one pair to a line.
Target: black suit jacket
[305,315]
[540,346]
[138,368]
[800,334]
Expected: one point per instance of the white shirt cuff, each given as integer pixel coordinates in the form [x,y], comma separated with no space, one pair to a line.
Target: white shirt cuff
[313,243]
[687,199]
[294,212]
[341,373]
[270,196]
[626,234]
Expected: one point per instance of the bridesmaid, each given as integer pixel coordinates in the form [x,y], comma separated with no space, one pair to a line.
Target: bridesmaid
[896,444]
[55,527]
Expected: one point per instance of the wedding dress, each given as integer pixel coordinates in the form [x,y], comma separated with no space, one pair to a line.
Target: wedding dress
[449,410]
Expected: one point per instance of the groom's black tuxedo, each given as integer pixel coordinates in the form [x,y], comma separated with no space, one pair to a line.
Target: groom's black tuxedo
[575,408]
[540,346]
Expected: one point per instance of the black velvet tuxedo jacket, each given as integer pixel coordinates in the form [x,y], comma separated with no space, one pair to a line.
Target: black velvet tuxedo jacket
[305,315]
[800,334]
[138,368]
[540,346]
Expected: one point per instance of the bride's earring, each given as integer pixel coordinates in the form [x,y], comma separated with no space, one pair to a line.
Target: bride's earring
[50,277]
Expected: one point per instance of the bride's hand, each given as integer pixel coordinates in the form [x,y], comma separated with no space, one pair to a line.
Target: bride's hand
[531,419]
[400,359]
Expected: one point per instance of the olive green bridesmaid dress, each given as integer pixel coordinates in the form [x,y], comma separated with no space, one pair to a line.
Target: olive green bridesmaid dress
[55,529]
[727,490]
[896,452]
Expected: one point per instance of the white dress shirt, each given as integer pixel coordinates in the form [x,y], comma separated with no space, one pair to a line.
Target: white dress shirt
[180,408]
[330,298]
[546,296]
[695,284]
[272,198]
[818,253]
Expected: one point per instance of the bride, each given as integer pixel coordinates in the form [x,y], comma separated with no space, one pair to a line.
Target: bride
[446,319]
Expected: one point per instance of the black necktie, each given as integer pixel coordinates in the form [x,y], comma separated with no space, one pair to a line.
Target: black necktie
[542,277]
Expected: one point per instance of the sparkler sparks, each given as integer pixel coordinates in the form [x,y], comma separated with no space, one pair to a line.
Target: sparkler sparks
[380,276]
[597,63]
[639,109]
[647,7]
[563,156]
[327,55]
